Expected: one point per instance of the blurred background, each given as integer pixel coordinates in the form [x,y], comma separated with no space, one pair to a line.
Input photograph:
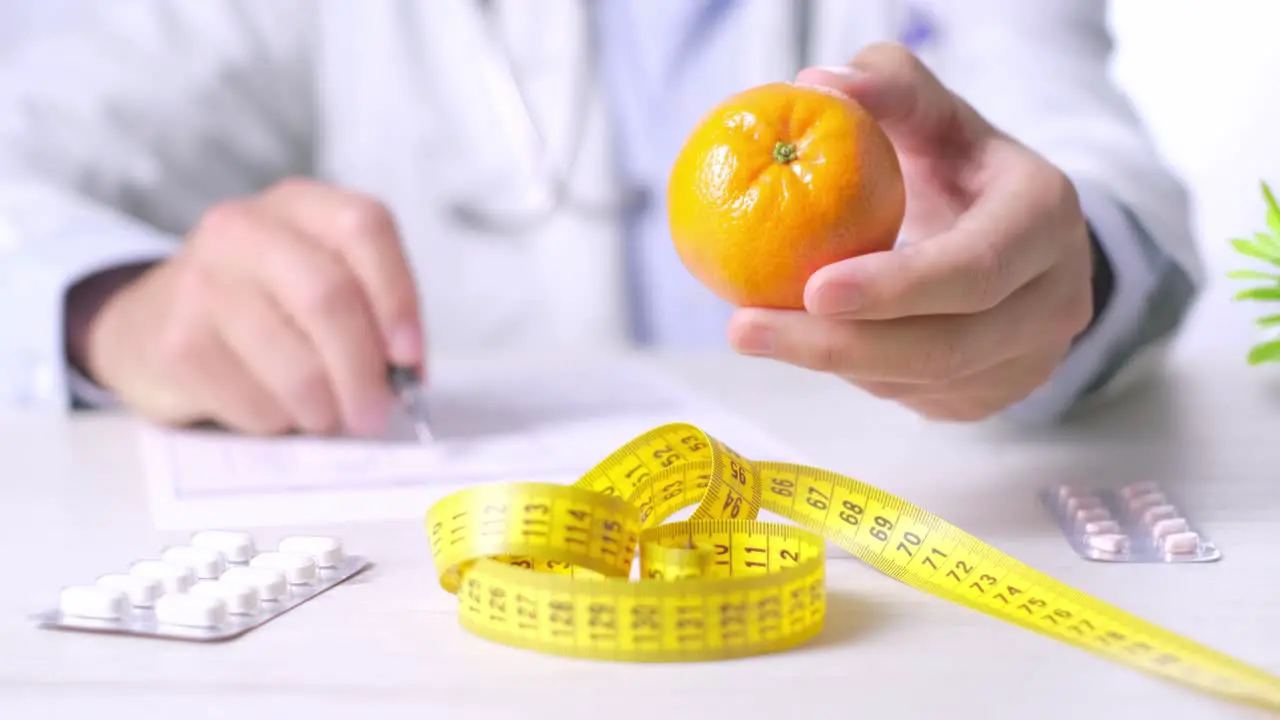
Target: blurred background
[20,18]
[1203,75]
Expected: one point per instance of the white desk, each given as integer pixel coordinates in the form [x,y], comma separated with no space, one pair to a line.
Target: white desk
[387,645]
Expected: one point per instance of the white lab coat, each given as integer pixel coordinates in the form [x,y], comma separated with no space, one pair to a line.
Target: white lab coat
[113,141]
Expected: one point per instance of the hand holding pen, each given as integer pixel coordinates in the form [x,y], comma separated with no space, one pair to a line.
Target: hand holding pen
[281,313]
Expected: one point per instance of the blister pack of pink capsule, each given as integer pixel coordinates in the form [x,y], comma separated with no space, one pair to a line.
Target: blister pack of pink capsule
[1138,522]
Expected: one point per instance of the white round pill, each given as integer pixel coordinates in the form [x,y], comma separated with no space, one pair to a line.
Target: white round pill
[1128,492]
[1083,502]
[298,569]
[1142,503]
[237,547]
[1113,543]
[1182,543]
[93,601]
[206,563]
[1164,528]
[142,591]
[326,551]
[175,578]
[269,583]
[1155,514]
[240,599]
[191,610]
[1097,514]
[1101,527]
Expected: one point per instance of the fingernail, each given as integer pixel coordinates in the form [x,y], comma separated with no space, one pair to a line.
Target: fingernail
[406,345]
[834,299]
[755,340]
[809,78]
[844,70]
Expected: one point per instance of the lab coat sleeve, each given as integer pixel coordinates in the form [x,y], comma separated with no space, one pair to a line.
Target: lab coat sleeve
[115,134]
[1040,71]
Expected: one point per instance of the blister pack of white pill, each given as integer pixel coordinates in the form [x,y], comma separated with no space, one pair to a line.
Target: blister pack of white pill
[1138,522]
[217,586]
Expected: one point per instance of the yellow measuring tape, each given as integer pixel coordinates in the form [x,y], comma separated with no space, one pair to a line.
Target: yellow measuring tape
[549,567]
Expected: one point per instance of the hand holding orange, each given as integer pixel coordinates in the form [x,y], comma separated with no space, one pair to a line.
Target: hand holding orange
[777,182]
[871,224]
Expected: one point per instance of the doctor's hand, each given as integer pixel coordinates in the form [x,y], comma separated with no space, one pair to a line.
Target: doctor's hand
[280,313]
[989,284]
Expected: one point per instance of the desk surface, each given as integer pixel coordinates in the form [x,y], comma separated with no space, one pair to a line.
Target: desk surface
[387,644]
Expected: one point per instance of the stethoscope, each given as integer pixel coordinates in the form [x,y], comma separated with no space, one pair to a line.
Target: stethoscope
[549,193]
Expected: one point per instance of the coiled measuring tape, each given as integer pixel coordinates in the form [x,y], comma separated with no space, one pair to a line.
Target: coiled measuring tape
[549,567]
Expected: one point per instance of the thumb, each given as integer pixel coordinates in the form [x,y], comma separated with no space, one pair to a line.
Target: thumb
[916,111]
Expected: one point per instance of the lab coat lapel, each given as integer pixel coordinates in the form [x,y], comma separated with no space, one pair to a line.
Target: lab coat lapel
[835,31]
[577,259]
[772,28]
[560,285]
[840,28]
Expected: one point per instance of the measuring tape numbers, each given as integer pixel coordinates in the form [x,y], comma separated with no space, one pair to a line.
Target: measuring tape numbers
[548,567]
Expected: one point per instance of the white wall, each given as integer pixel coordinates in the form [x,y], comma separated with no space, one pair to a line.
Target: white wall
[1204,75]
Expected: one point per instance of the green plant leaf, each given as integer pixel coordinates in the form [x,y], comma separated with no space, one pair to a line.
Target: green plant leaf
[1254,250]
[1265,352]
[1267,241]
[1273,209]
[1252,275]
[1268,321]
[1259,293]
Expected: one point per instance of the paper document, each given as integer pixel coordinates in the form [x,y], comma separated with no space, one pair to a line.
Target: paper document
[489,424]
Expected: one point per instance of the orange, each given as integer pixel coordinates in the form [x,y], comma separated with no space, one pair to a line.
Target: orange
[776,182]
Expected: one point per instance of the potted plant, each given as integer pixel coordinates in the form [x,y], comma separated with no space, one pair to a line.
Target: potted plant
[1264,247]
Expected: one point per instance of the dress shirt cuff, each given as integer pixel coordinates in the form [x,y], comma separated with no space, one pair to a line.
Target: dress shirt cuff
[1136,264]
[83,392]
[87,394]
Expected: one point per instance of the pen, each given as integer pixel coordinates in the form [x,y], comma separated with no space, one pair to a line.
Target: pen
[407,386]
